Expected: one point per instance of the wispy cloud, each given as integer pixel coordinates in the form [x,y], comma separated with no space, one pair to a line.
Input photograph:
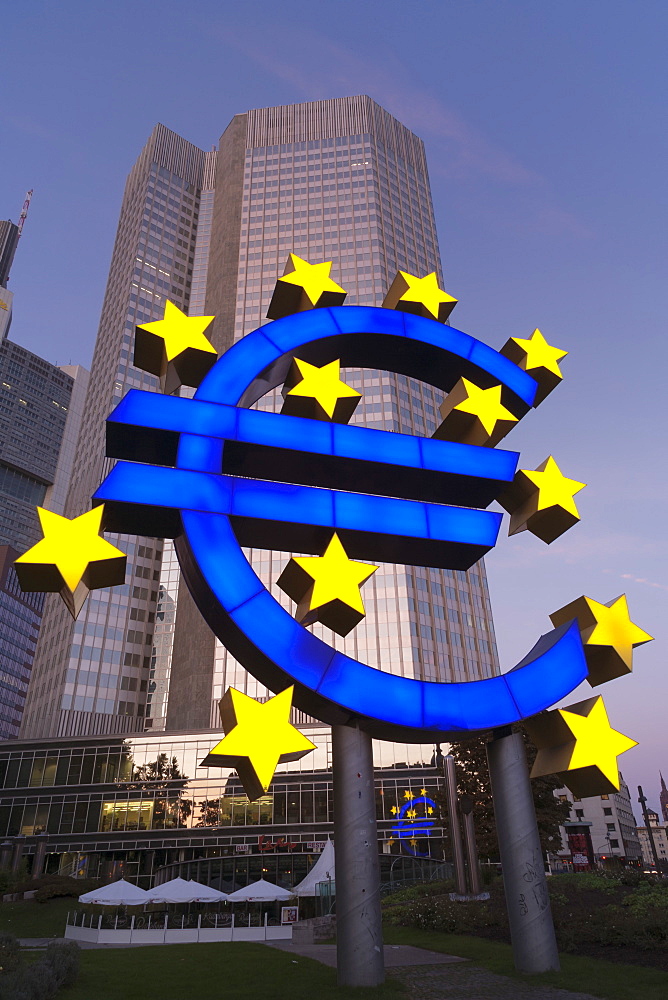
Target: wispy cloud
[316,67]
[641,579]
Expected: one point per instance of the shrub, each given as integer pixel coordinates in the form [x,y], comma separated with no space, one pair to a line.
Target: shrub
[30,982]
[10,953]
[41,980]
[63,959]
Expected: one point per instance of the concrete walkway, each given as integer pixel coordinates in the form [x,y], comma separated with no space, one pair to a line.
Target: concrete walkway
[425,977]
[396,955]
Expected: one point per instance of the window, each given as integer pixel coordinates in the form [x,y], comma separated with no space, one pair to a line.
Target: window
[614,843]
[607,812]
[610,826]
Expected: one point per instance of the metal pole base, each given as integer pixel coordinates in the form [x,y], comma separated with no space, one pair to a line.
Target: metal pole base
[359,934]
[524,880]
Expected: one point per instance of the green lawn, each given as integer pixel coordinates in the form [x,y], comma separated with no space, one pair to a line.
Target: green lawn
[209,972]
[610,980]
[30,919]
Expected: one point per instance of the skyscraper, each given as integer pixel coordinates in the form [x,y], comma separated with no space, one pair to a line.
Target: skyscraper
[338,180]
[92,676]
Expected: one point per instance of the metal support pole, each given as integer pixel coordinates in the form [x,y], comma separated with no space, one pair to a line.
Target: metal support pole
[471,849]
[524,880]
[450,774]
[359,935]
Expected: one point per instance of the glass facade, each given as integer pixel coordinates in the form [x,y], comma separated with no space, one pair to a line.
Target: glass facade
[336,180]
[361,200]
[93,675]
[20,617]
[147,793]
[34,404]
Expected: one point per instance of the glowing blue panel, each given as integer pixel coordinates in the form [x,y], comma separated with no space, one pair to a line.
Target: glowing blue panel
[368,319]
[281,431]
[370,445]
[212,534]
[428,331]
[466,459]
[237,368]
[556,661]
[153,486]
[505,370]
[460,524]
[278,636]
[360,512]
[175,413]
[314,324]
[358,687]
[202,453]
[282,502]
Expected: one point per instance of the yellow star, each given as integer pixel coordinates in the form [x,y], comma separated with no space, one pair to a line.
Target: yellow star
[257,738]
[319,393]
[409,795]
[423,791]
[541,501]
[394,810]
[413,842]
[474,416]
[175,348]
[306,286]
[412,813]
[608,634]
[580,746]
[421,296]
[327,588]
[390,840]
[72,558]
[430,810]
[539,359]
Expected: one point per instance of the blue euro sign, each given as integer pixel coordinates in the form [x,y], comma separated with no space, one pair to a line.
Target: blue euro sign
[216,475]
[415,821]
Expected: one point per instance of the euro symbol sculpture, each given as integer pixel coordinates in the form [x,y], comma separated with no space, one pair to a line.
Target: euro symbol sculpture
[222,476]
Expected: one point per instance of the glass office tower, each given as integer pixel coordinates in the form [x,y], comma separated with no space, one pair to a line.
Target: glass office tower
[92,676]
[338,180]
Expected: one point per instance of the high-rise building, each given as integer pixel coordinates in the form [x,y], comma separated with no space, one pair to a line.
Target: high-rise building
[34,407]
[663,799]
[9,238]
[20,617]
[92,676]
[40,417]
[338,180]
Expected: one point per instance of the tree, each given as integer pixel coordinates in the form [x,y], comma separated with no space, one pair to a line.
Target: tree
[473,779]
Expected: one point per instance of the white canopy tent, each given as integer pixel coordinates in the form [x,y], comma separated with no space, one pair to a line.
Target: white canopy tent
[119,893]
[260,892]
[322,871]
[178,890]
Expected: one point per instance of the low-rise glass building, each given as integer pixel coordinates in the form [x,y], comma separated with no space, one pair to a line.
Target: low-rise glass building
[142,807]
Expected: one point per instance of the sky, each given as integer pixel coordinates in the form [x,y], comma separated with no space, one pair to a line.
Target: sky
[545,131]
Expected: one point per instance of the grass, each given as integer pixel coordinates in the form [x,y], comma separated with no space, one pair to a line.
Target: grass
[611,980]
[28,919]
[209,971]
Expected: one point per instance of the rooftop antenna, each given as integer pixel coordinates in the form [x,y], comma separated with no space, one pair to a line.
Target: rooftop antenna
[24,211]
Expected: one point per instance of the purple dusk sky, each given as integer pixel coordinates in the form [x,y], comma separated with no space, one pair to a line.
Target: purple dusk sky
[546,133]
